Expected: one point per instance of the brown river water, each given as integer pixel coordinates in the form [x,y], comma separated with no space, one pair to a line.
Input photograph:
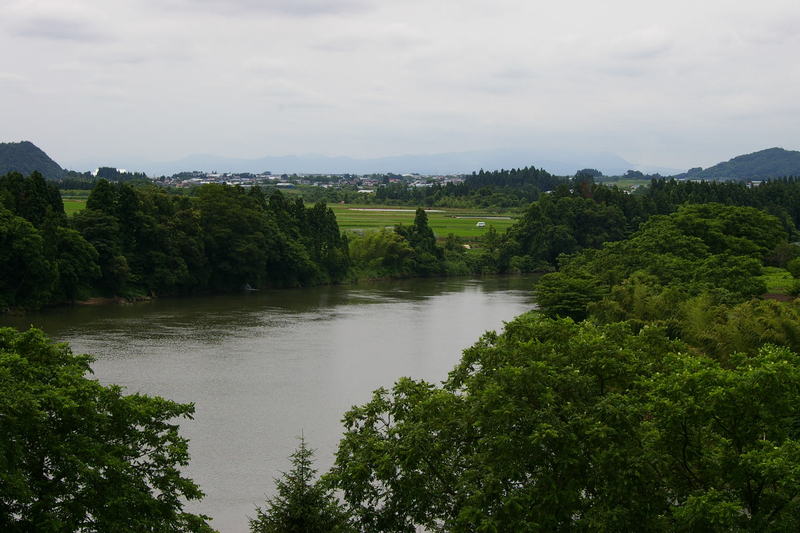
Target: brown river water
[263,367]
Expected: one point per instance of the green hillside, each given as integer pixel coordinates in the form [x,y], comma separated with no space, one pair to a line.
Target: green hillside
[25,157]
[769,163]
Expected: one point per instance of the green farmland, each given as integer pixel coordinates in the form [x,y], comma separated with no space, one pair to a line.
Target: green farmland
[73,205]
[460,222]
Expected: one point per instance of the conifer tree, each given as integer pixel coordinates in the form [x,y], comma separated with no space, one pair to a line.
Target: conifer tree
[302,504]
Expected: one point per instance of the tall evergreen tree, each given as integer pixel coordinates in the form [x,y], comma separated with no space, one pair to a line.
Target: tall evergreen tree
[302,504]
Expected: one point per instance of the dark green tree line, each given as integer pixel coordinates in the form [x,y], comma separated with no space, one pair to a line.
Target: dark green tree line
[500,188]
[133,241]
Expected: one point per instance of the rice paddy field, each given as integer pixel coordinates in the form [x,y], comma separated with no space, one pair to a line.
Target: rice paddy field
[460,222]
[73,205]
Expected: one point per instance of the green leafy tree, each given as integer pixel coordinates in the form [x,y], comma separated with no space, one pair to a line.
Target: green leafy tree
[76,263]
[735,274]
[381,253]
[32,198]
[236,236]
[101,230]
[698,249]
[560,225]
[26,274]
[726,440]
[327,245]
[79,456]
[559,295]
[302,504]
[722,330]
[428,258]
[733,230]
[793,266]
[558,426]
[103,198]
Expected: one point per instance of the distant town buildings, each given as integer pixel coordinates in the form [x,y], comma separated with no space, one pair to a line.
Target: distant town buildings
[365,183]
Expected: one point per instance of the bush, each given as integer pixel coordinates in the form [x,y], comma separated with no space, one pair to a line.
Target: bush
[793,267]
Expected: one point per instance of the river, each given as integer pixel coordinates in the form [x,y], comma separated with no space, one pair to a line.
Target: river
[264,367]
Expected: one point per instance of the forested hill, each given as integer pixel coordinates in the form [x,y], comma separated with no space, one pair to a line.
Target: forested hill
[25,157]
[539,178]
[769,163]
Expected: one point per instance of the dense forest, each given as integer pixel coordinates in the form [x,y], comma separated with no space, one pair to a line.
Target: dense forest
[86,181]
[765,164]
[585,215]
[140,241]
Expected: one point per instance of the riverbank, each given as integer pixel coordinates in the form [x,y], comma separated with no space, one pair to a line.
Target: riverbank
[100,300]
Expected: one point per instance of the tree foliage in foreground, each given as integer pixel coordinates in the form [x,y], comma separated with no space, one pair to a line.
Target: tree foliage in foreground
[665,410]
[302,504]
[558,426]
[79,456]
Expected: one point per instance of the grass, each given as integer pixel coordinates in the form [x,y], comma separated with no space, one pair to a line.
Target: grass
[460,222]
[73,205]
[778,280]
[625,183]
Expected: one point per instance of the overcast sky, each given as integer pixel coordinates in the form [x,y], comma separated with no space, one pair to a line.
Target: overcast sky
[678,83]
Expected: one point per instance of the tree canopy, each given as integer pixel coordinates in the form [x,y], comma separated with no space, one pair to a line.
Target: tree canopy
[650,392]
[79,456]
[140,241]
[559,426]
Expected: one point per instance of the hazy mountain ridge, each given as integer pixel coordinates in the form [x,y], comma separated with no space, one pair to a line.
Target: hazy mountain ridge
[25,157]
[559,163]
[764,164]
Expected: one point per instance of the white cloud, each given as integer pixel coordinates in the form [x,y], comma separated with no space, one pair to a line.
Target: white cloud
[644,44]
[654,83]
[247,8]
[12,77]
[60,29]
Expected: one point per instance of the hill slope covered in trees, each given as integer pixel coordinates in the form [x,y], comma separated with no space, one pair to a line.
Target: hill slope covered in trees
[769,163]
[25,157]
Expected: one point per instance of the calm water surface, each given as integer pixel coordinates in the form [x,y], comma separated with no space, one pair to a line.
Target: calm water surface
[263,367]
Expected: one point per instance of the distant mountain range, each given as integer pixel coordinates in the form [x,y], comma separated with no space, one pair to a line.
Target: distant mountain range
[25,157]
[560,163]
[769,163]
